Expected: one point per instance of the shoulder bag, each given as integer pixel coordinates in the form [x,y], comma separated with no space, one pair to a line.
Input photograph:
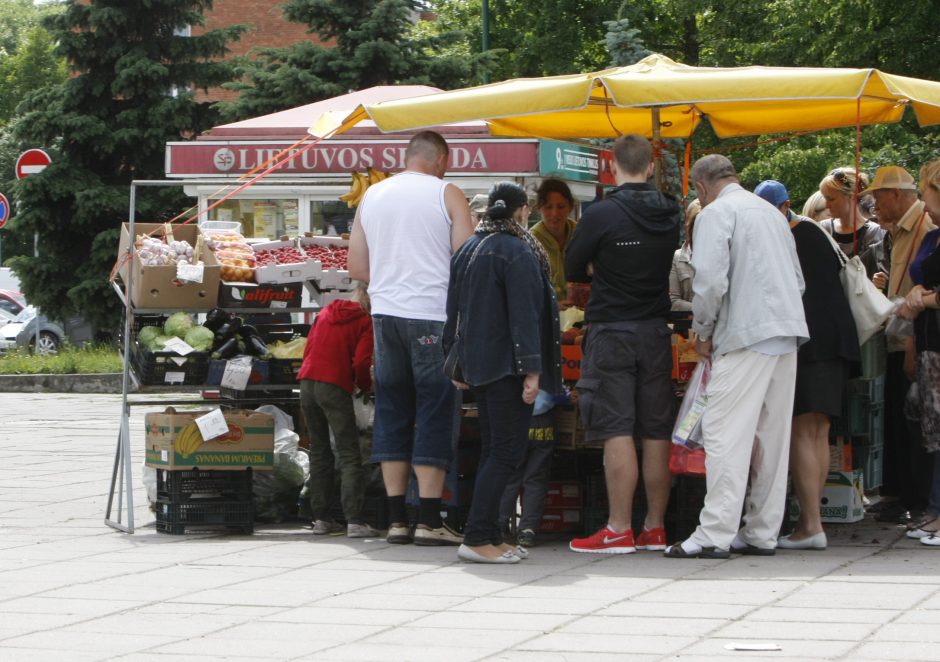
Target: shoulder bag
[870,308]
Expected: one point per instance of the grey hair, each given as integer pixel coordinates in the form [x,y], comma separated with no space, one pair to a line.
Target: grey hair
[712,168]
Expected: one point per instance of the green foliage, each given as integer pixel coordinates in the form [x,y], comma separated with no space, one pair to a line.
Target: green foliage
[371,42]
[130,91]
[69,361]
[18,18]
[32,67]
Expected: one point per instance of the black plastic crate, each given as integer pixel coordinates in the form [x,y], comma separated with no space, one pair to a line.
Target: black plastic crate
[140,321]
[152,367]
[175,517]
[282,332]
[196,484]
[216,369]
[283,371]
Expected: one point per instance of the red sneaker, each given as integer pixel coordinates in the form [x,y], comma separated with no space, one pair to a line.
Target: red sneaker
[605,541]
[652,540]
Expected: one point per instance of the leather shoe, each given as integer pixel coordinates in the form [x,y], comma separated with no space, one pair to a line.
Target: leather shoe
[816,542]
[894,513]
[465,553]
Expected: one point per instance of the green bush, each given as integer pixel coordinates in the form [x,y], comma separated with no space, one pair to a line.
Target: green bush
[69,361]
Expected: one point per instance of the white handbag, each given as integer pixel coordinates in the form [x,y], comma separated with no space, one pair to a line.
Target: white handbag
[870,308]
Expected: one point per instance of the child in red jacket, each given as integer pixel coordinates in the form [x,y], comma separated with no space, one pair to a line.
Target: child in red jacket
[337,358]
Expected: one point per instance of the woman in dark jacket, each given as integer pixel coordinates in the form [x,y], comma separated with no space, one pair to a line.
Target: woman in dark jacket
[824,365]
[502,321]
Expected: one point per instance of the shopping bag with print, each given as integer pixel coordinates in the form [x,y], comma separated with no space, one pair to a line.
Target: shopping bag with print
[688,429]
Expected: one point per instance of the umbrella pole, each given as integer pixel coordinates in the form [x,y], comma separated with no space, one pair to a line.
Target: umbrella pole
[657,151]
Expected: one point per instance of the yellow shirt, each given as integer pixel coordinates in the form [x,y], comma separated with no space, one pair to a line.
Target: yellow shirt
[556,255]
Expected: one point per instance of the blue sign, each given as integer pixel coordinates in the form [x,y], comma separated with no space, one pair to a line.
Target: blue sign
[4,210]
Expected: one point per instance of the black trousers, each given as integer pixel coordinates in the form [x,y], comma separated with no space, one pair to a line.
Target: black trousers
[907,467]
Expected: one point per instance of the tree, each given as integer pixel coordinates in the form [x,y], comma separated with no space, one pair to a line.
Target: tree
[17,18]
[624,43]
[32,67]
[129,93]
[367,43]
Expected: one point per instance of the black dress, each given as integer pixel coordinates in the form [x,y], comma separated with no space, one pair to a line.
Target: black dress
[832,355]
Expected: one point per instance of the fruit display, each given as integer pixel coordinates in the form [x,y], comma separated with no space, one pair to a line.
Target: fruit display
[235,256]
[360,182]
[328,256]
[284,255]
[155,252]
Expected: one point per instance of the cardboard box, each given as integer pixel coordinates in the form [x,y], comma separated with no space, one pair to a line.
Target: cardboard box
[840,454]
[564,494]
[157,287]
[264,295]
[330,278]
[249,443]
[571,362]
[841,499]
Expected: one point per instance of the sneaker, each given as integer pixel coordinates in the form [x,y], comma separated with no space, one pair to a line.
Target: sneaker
[425,535]
[399,534]
[526,538]
[324,527]
[354,530]
[933,541]
[605,541]
[652,540]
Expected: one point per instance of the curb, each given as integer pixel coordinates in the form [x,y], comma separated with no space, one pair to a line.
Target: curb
[100,383]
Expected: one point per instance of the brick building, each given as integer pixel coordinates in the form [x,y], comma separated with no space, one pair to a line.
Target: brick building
[266,27]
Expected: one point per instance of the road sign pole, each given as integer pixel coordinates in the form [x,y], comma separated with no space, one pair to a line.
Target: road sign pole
[35,310]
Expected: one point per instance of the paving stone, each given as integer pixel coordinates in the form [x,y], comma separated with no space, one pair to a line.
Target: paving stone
[608,643]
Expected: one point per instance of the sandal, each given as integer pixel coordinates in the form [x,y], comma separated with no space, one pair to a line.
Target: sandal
[676,552]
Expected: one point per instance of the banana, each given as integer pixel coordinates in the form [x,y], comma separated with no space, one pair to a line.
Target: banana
[363,185]
[356,190]
[189,440]
[375,176]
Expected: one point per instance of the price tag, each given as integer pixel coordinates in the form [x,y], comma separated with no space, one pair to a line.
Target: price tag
[190,273]
[278,304]
[236,374]
[179,346]
[174,377]
[164,455]
[178,360]
[212,425]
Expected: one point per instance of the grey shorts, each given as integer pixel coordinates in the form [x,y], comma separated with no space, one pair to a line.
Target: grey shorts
[626,381]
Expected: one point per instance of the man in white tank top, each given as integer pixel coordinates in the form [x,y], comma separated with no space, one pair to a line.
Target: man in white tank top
[405,231]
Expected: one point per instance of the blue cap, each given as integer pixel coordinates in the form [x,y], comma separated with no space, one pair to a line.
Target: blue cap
[772,191]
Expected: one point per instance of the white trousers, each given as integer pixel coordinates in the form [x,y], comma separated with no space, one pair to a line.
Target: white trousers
[746,432]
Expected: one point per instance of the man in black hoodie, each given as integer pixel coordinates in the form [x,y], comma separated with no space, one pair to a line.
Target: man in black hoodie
[624,246]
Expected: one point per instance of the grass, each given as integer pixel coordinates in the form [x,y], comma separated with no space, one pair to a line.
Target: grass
[69,361]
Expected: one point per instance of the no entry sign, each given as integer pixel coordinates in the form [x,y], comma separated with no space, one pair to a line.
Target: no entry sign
[4,210]
[31,161]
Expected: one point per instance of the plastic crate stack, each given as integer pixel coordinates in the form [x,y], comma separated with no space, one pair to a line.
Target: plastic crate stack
[863,415]
[195,499]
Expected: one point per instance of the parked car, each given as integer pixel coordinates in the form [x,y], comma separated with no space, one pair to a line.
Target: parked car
[21,332]
[6,317]
[12,301]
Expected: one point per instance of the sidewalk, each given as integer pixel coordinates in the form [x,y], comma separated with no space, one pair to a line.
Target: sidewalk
[74,589]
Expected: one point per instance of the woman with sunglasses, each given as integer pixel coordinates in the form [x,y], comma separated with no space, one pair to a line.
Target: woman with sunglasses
[849,225]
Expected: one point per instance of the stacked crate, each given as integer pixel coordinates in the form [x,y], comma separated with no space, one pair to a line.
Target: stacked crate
[198,499]
[863,415]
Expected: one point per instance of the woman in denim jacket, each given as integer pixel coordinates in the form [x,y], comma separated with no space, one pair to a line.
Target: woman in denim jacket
[502,315]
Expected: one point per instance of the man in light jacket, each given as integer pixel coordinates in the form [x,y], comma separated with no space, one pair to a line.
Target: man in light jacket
[748,315]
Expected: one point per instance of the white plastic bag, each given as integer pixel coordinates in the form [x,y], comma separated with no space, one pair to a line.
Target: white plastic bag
[688,429]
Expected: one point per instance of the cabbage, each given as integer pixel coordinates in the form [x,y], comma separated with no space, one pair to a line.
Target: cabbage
[178,324]
[146,335]
[158,343]
[199,338]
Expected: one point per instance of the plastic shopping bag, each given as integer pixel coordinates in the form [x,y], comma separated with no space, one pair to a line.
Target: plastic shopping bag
[688,429]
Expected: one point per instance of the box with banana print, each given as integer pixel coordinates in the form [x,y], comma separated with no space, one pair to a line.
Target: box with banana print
[173,441]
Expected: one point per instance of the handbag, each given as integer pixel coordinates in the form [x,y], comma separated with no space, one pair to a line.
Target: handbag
[452,366]
[870,308]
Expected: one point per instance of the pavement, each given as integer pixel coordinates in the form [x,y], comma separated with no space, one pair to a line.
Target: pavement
[73,589]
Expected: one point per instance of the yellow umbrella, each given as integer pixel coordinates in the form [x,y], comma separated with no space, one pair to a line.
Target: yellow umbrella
[658,97]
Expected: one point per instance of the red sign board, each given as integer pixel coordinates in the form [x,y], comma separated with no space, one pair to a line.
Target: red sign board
[228,158]
[31,162]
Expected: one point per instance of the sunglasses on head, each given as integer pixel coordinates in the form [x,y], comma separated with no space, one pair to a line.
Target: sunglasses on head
[842,177]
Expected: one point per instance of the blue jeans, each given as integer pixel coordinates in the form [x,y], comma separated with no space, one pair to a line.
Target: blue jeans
[417,411]
[504,431]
